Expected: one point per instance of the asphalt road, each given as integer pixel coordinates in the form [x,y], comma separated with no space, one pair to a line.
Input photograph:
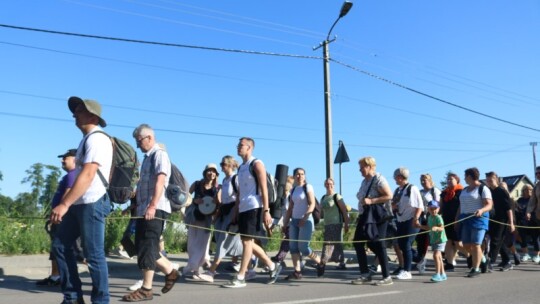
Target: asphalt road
[18,275]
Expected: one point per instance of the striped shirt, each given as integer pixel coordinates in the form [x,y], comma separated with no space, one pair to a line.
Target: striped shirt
[472,201]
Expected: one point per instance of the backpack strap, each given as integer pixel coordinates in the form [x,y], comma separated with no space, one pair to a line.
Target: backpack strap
[252,172]
[233,183]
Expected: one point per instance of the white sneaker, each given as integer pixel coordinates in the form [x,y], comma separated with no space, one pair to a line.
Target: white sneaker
[526,257]
[251,274]
[136,286]
[536,259]
[421,266]
[207,276]
[175,266]
[404,275]
[124,254]
[235,283]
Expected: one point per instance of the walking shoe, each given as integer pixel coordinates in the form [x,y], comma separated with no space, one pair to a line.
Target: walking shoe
[473,273]
[397,271]
[175,266]
[363,279]
[403,275]
[251,274]
[484,266]
[341,266]
[436,278]
[536,259]
[207,276]
[421,266]
[526,257]
[170,280]
[448,267]
[506,267]
[138,295]
[48,281]
[444,277]
[320,269]
[384,282]
[275,273]
[234,267]
[295,276]
[235,283]
[136,286]
[374,269]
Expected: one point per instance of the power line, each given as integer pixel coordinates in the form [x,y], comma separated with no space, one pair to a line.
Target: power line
[274,54]
[433,97]
[238,136]
[157,43]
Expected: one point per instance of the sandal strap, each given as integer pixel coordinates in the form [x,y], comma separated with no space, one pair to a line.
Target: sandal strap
[138,295]
[170,280]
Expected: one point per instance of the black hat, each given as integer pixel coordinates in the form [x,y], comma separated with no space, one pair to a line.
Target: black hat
[70,152]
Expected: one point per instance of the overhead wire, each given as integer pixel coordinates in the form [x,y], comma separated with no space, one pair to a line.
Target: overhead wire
[433,97]
[275,54]
[312,34]
[10,114]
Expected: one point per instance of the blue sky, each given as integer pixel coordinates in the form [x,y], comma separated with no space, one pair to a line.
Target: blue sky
[481,55]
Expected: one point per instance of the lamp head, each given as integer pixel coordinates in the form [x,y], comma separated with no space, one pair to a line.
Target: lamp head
[345,8]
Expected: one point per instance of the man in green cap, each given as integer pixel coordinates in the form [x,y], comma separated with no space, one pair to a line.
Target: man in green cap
[82,211]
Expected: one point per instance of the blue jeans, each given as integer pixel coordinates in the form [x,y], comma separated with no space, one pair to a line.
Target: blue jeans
[405,243]
[88,222]
[301,234]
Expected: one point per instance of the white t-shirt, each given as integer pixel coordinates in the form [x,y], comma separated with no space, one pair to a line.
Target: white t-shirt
[407,205]
[247,188]
[300,200]
[97,149]
[427,196]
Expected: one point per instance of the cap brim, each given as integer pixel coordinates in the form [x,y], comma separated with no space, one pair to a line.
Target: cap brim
[73,102]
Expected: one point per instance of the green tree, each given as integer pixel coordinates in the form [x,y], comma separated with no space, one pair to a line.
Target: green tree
[5,203]
[37,182]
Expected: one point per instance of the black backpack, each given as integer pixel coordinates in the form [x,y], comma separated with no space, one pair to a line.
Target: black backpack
[178,190]
[317,210]
[124,170]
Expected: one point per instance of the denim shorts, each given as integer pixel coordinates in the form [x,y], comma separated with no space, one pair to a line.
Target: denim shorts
[470,235]
[438,247]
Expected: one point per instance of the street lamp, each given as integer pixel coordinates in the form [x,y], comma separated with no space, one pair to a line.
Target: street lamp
[327,103]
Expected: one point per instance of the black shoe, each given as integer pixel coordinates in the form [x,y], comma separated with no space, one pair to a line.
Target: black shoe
[448,267]
[506,267]
[48,282]
[484,267]
[469,262]
[473,273]
[320,269]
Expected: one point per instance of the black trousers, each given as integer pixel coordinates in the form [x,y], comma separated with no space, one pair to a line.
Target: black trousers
[497,233]
[378,248]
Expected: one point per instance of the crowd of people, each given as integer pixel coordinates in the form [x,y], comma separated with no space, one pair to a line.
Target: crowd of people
[476,220]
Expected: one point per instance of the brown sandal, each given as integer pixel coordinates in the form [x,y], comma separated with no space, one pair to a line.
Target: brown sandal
[138,295]
[170,279]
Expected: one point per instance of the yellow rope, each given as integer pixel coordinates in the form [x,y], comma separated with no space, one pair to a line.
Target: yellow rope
[269,238]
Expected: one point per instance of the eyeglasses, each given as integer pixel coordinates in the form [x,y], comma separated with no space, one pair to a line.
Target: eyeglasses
[140,140]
